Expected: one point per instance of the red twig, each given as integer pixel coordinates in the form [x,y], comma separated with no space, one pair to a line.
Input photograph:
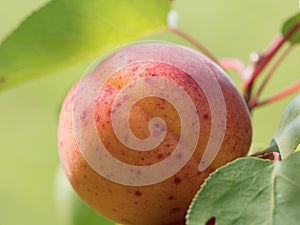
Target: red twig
[276,156]
[267,58]
[233,64]
[282,94]
[253,101]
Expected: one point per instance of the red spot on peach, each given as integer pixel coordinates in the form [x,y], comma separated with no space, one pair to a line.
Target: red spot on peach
[175,210]
[159,156]
[160,106]
[97,118]
[138,193]
[171,197]
[83,115]
[205,116]
[177,181]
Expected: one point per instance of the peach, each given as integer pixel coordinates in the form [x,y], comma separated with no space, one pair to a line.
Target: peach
[142,130]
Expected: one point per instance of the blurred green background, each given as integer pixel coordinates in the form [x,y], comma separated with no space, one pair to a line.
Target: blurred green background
[29,112]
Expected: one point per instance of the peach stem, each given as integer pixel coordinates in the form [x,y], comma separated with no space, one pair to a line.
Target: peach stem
[195,43]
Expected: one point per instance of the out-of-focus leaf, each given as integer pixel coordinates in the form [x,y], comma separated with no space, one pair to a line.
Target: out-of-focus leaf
[287,135]
[295,39]
[64,32]
[250,191]
[298,148]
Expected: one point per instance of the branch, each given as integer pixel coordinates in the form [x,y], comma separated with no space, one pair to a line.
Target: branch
[233,64]
[282,94]
[254,99]
[194,42]
[268,57]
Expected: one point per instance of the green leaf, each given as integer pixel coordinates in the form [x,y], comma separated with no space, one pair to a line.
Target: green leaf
[287,26]
[64,32]
[287,135]
[71,209]
[298,148]
[250,191]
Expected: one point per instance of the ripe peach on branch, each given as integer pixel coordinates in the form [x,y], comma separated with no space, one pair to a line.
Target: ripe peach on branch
[142,130]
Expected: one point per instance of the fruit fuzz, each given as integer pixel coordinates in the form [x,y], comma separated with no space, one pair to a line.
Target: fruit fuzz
[200,111]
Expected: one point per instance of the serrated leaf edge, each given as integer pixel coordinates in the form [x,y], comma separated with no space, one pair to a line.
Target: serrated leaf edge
[191,206]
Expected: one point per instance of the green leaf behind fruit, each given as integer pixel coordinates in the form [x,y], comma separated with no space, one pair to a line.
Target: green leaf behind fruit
[287,135]
[295,39]
[250,191]
[65,32]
